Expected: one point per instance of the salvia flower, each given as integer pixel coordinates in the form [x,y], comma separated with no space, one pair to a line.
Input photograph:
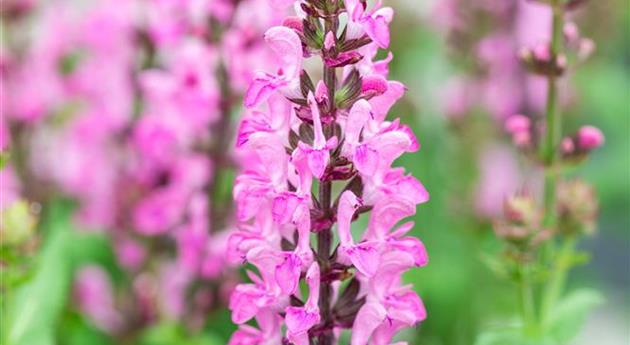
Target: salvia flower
[298,136]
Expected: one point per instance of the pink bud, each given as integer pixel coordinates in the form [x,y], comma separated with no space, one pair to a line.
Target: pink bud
[567,146]
[589,138]
[517,123]
[294,23]
[373,85]
[522,139]
[525,54]
[586,48]
[571,32]
[329,41]
[542,52]
[561,61]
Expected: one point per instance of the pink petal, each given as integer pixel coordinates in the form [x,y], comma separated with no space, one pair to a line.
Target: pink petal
[365,257]
[365,160]
[259,90]
[382,103]
[348,204]
[287,46]
[318,161]
[369,317]
[357,118]
[288,274]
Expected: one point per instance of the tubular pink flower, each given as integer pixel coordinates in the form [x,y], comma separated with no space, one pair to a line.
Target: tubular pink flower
[286,44]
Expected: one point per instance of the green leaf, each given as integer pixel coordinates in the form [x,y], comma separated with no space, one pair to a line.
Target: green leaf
[37,305]
[509,336]
[569,315]
[34,309]
[75,329]
[172,333]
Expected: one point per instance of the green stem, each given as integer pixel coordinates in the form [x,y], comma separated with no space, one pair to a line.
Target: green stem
[324,236]
[549,156]
[526,297]
[558,277]
[549,151]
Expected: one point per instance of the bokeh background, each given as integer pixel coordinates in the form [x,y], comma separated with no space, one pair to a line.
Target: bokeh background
[457,61]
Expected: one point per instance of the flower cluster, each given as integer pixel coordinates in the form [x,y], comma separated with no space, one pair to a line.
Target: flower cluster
[126,107]
[318,155]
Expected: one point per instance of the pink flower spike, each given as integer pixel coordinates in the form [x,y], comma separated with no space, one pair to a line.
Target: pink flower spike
[589,138]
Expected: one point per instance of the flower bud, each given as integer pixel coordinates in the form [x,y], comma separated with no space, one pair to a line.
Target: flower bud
[18,223]
[521,209]
[373,85]
[577,207]
[541,60]
[589,138]
[329,41]
[522,225]
[567,146]
[519,126]
[294,23]
[571,32]
[585,48]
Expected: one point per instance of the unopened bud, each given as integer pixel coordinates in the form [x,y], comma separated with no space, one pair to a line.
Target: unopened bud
[521,209]
[18,223]
[577,207]
[586,48]
[329,41]
[589,138]
[519,126]
[567,146]
[294,23]
[542,52]
[571,32]
[373,85]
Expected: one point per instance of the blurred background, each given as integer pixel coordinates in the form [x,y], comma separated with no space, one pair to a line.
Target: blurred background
[69,278]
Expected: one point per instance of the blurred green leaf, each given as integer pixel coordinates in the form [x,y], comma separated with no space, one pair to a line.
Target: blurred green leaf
[4,158]
[172,333]
[570,313]
[77,330]
[510,337]
[35,308]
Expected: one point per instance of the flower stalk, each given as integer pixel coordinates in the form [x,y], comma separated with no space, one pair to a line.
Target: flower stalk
[569,208]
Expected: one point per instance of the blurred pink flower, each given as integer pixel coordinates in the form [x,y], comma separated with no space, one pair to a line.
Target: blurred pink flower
[95,297]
